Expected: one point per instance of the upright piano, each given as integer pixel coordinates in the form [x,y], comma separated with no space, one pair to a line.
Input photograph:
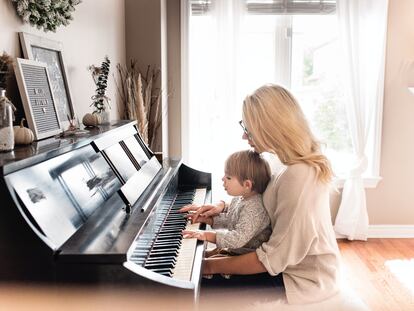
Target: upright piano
[99,208]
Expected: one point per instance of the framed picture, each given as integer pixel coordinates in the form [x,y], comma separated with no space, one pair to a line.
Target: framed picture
[37,97]
[50,52]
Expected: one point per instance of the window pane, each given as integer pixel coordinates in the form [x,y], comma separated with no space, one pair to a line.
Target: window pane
[316,83]
[225,64]
[258,40]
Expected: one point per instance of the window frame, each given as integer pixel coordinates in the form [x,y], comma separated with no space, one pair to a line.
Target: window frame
[370,179]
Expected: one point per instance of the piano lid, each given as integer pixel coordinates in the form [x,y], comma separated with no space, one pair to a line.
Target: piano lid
[28,155]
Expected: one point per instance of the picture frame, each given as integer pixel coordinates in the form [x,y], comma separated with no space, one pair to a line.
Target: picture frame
[51,52]
[38,99]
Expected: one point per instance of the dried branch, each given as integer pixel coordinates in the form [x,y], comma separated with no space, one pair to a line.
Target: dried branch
[141,99]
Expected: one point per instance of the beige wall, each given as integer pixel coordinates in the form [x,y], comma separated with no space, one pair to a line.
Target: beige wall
[98,29]
[392,202]
[143,31]
[153,38]
[146,37]
[174,78]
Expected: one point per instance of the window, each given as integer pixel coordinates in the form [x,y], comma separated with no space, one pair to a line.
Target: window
[316,81]
[264,42]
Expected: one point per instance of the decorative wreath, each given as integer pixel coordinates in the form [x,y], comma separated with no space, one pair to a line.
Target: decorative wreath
[46,14]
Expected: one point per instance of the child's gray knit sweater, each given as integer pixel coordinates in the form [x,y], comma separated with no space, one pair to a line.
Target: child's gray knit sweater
[247,224]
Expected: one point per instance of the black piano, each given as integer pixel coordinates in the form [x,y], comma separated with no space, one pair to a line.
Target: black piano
[99,208]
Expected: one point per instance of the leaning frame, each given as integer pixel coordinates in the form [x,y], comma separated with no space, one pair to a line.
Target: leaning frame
[37,97]
[51,52]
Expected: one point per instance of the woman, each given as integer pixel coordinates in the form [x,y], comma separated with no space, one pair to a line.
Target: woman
[302,245]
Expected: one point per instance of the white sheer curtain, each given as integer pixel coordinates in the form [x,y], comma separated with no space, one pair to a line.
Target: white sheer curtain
[215,98]
[363,28]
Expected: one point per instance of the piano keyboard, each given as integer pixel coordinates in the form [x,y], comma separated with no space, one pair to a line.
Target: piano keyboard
[162,249]
[182,269]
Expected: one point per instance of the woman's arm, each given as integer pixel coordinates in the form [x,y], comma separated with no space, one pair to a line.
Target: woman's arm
[243,264]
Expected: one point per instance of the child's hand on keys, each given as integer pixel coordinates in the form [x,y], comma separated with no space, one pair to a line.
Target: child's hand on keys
[197,234]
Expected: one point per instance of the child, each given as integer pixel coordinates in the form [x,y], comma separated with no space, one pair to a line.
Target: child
[246,220]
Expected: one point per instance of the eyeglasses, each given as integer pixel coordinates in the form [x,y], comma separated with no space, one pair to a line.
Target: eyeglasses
[249,136]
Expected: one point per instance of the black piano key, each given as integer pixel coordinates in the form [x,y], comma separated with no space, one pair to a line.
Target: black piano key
[174,227]
[167,245]
[162,258]
[162,270]
[170,231]
[163,251]
[161,254]
[166,273]
[173,232]
[169,259]
[168,236]
[167,242]
[174,222]
[164,248]
[159,265]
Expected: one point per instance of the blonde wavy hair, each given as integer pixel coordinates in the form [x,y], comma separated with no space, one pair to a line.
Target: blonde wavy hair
[277,124]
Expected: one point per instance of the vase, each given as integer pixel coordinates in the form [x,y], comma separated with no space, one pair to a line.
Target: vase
[102,108]
[105,116]
[6,123]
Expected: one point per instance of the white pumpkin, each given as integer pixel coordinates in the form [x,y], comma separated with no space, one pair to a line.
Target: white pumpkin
[91,119]
[22,135]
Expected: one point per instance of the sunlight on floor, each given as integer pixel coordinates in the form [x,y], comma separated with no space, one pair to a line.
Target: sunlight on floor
[403,270]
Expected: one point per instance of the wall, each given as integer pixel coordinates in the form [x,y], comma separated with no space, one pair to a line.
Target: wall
[145,22]
[174,78]
[392,202]
[98,29]
[153,38]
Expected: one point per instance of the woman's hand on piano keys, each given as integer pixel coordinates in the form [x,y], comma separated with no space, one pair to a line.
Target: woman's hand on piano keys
[203,213]
[199,219]
[201,235]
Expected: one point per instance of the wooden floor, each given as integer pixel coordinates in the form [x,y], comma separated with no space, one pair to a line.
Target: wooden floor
[381,271]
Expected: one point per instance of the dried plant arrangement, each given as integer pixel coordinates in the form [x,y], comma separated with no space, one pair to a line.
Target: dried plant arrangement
[141,98]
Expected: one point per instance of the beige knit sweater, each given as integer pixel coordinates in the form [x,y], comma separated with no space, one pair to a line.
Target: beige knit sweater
[302,245]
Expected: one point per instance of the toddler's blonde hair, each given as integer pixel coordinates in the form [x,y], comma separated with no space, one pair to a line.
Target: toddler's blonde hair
[249,165]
